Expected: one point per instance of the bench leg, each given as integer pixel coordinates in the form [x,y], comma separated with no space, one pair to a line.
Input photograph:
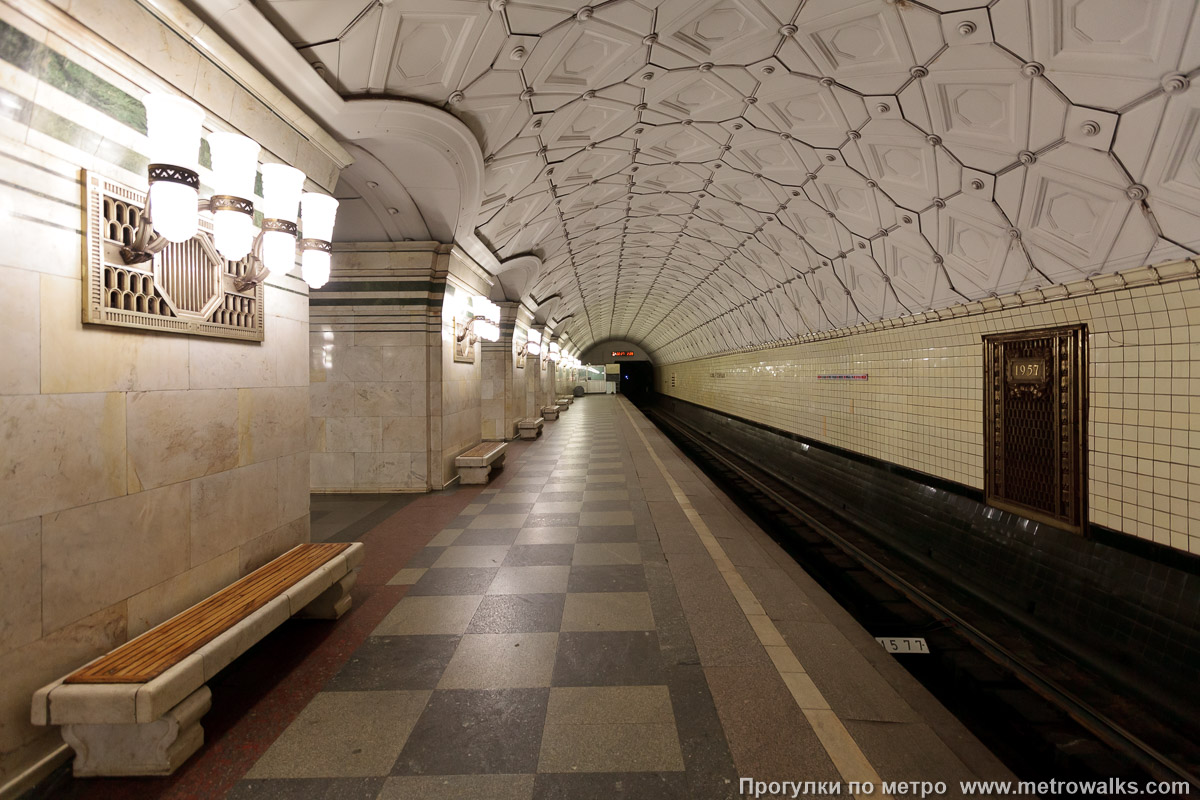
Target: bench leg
[474,475]
[333,602]
[154,748]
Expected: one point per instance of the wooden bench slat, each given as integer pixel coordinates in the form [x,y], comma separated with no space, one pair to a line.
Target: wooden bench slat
[164,646]
[203,618]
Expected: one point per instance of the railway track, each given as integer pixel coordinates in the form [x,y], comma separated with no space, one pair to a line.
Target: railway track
[994,683]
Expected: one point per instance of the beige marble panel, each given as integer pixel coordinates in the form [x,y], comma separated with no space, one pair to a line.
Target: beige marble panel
[271,422]
[20,583]
[231,508]
[316,434]
[101,554]
[287,297]
[217,364]
[214,89]
[383,399]
[258,551]
[143,37]
[353,434]
[382,470]
[31,667]
[333,398]
[331,471]
[404,434]
[357,363]
[100,359]
[403,363]
[20,330]
[179,435]
[164,600]
[68,450]
[288,338]
[264,126]
[293,485]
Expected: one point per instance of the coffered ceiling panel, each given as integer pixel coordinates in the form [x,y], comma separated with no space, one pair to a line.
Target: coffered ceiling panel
[703,176]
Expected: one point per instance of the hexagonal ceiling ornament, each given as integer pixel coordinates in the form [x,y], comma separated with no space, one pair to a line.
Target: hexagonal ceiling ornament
[700,176]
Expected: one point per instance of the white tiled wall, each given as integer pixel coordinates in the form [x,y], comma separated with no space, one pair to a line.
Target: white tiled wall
[921,406]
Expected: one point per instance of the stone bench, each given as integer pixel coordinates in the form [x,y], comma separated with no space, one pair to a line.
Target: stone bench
[550,413]
[566,398]
[563,405]
[137,710]
[475,465]
[530,428]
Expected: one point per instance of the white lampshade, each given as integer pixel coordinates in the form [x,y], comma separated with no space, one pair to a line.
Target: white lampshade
[318,212]
[281,200]
[554,351]
[533,344]
[173,126]
[234,164]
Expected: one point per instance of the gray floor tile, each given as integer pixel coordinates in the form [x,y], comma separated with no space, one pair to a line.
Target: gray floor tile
[485,556]
[607,534]
[490,521]
[425,557]
[616,517]
[310,789]
[539,555]
[407,576]
[607,578]
[610,705]
[559,519]
[395,662]
[556,507]
[623,658]
[547,535]
[589,555]
[476,731]
[530,580]
[605,495]
[610,748]
[612,786]
[478,538]
[445,538]
[501,661]
[518,613]
[343,735]
[510,497]
[414,616]
[457,580]
[608,611]
[458,787]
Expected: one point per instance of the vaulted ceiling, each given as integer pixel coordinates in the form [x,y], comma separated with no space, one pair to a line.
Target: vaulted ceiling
[705,175]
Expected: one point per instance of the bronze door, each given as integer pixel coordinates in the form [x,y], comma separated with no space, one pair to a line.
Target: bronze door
[1035,424]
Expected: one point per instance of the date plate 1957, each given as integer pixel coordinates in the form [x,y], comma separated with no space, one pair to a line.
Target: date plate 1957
[1027,370]
[903,644]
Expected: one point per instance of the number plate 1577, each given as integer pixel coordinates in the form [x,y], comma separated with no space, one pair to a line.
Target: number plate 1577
[901,644]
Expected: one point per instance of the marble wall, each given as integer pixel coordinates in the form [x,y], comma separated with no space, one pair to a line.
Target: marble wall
[500,407]
[141,471]
[369,367]
[458,409]
[921,405]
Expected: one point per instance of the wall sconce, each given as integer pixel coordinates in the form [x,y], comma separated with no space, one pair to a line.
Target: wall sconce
[173,203]
[554,352]
[483,323]
[532,346]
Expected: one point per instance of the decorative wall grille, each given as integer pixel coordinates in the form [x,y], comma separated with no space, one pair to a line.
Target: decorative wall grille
[1035,424]
[187,288]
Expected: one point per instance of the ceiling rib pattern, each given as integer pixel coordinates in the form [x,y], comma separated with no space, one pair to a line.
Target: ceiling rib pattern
[708,176]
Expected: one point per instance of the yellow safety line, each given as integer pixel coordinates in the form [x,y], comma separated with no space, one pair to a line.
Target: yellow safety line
[843,751]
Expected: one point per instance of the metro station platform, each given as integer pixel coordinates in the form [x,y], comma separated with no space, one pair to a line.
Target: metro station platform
[598,622]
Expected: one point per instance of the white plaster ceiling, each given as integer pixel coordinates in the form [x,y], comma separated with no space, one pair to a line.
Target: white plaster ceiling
[701,176]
